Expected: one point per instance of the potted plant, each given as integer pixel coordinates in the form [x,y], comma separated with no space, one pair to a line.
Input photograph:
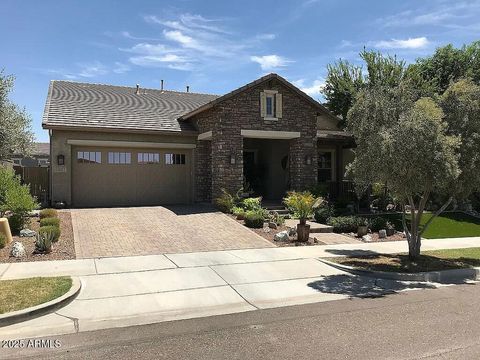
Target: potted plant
[362,228]
[390,228]
[302,204]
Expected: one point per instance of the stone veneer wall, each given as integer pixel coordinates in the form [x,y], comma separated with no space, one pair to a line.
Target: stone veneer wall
[242,111]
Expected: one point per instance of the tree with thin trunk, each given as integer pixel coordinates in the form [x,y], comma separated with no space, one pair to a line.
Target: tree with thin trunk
[417,147]
[16,134]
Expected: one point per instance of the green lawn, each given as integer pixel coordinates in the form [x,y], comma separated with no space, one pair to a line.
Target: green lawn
[21,294]
[429,261]
[447,225]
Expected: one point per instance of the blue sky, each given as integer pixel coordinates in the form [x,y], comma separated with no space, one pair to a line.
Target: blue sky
[213,46]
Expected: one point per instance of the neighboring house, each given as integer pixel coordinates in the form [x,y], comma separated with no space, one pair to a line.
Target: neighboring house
[114,145]
[40,156]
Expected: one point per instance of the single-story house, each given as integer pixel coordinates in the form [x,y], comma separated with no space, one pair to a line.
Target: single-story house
[126,146]
[39,156]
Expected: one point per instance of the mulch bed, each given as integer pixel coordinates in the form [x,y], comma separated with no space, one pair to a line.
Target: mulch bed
[64,249]
[269,235]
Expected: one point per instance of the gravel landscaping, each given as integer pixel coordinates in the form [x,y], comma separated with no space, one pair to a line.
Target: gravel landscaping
[64,249]
[428,261]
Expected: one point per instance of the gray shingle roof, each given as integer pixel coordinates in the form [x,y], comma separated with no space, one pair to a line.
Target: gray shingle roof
[73,104]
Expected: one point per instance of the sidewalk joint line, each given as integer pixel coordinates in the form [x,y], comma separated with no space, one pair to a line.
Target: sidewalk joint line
[231,287]
[151,293]
[6,269]
[75,321]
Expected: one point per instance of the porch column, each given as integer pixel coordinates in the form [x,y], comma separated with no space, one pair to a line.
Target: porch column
[227,160]
[339,169]
[203,170]
[303,162]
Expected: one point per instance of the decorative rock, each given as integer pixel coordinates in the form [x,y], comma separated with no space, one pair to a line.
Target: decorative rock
[272,225]
[382,234]
[367,238]
[292,231]
[18,250]
[281,236]
[27,233]
[266,229]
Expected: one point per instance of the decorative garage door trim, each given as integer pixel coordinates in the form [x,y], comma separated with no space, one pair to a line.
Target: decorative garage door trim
[130,144]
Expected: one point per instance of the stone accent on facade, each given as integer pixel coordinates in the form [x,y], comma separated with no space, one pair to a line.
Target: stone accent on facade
[203,171]
[242,111]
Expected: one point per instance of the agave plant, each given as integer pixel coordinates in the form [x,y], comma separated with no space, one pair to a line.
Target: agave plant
[44,241]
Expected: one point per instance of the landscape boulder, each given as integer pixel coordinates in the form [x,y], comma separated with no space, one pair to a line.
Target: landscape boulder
[281,236]
[18,250]
[27,233]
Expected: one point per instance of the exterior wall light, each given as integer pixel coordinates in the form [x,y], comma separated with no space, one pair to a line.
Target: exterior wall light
[60,159]
[308,160]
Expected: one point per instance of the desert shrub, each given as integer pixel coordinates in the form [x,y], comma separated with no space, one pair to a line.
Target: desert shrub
[322,213]
[378,223]
[300,203]
[275,217]
[50,221]
[44,240]
[3,240]
[346,224]
[50,230]
[48,213]
[15,199]
[225,202]
[252,203]
[254,219]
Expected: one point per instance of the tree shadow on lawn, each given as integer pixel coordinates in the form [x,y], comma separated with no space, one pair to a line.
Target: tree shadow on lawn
[364,287]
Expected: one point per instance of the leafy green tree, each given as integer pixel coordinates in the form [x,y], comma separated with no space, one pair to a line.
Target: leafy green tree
[16,135]
[449,64]
[405,143]
[344,80]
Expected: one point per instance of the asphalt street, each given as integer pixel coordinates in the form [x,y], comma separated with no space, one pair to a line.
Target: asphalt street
[439,323]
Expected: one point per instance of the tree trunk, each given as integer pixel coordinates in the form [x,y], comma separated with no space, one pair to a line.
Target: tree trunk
[414,245]
[303,232]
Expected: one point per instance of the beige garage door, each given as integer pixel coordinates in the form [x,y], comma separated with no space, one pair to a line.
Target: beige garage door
[129,177]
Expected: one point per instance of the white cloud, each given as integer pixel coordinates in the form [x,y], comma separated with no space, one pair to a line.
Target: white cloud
[313,89]
[192,41]
[410,43]
[442,15]
[120,68]
[92,69]
[270,62]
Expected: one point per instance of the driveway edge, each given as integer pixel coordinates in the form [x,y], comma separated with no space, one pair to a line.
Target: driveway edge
[34,311]
[442,276]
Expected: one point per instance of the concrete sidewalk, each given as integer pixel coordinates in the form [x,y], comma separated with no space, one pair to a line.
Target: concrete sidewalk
[147,289]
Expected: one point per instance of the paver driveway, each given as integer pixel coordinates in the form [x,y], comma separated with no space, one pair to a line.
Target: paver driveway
[105,232]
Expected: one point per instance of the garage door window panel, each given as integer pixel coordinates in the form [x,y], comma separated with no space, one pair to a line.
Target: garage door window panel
[119,158]
[89,157]
[175,159]
[148,158]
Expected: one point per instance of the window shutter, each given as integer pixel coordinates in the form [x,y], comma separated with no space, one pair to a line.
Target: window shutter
[263,104]
[278,106]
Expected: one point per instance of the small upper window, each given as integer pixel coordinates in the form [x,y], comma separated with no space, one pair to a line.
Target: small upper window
[175,159]
[91,157]
[148,158]
[119,158]
[270,105]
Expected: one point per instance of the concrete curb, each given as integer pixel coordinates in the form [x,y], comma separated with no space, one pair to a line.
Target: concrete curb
[50,306]
[443,276]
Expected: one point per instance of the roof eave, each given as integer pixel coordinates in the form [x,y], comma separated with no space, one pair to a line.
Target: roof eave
[119,130]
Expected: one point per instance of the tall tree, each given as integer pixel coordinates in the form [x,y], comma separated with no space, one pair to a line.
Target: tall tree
[16,134]
[344,80]
[417,147]
[449,64]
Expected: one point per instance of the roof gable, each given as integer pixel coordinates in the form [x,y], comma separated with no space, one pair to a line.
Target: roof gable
[257,82]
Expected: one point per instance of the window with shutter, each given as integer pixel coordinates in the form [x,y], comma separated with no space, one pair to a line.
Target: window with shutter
[270,105]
